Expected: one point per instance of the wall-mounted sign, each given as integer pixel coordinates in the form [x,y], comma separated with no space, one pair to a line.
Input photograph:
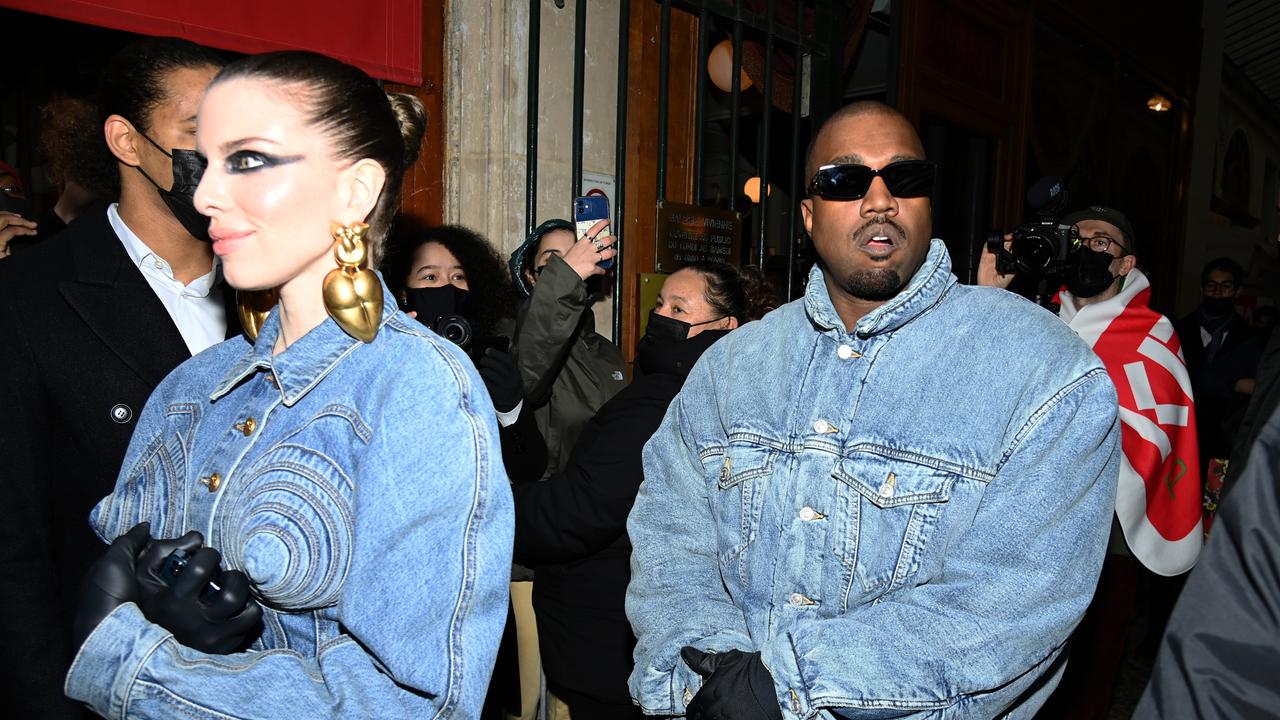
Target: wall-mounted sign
[689,233]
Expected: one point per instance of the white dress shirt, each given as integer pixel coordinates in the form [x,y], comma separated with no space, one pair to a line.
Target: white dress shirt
[196,308]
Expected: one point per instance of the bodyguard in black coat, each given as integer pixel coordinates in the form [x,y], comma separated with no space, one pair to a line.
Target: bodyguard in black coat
[86,339]
[572,529]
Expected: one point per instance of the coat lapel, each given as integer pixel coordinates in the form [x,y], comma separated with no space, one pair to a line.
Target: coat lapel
[115,301]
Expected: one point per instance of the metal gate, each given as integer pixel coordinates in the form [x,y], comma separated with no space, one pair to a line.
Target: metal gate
[808,31]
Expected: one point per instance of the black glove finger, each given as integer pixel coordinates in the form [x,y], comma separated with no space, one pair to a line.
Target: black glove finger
[131,543]
[501,357]
[112,574]
[703,663]
[200,569]
[230,598]
[237,632]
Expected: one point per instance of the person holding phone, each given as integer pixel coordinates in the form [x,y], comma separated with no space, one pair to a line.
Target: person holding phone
[569,370]
[572,527]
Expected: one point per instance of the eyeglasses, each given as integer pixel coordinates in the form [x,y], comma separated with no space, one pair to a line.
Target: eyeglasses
[1101,243]
[1225,285]
[846,181]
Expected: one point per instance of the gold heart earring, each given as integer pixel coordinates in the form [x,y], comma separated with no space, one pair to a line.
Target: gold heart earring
[352,293]
[253,306]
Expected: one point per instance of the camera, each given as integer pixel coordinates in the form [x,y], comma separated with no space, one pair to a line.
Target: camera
[1040,247]
[453,328]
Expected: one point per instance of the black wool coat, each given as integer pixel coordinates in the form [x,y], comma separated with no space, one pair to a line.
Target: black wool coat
[86,340]
[572,529]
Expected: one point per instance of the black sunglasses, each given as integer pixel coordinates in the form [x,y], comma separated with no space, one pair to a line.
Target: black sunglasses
[905,179]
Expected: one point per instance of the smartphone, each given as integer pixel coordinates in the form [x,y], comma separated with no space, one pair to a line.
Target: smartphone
[588,211]
[173,566]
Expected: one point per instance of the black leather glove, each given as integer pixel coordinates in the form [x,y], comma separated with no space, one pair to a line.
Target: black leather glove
[109,583]
[217,621]
[738,686]
[147,571]
[501,377]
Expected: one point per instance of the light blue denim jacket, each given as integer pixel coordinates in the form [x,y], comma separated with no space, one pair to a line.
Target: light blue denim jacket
[906,520]
[361,488]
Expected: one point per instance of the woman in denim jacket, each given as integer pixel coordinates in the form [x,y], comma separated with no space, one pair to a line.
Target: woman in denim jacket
[377,542]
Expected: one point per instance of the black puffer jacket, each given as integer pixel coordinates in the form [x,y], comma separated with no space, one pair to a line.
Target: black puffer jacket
[572,529]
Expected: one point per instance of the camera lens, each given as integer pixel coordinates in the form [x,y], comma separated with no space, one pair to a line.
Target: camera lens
[455,329]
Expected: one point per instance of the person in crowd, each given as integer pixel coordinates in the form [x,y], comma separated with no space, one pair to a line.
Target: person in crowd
[569,369]
[95,317]
[343,465]
[1264,320]
[878,500]
[1220,652]
[17,218]
[1222,353]
[572,527]
[1106,301]
[69,138]
[450,272]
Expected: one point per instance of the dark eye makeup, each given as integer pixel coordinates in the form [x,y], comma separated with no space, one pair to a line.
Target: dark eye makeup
[244,161]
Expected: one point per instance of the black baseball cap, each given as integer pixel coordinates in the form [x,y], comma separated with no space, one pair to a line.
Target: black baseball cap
[1109,215]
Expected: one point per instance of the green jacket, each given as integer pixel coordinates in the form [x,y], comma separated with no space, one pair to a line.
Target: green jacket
[569,369]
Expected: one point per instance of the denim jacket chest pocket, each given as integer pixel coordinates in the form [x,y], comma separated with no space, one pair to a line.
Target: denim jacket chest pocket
[153,489]
[739,475]
[287,518]
[897,512]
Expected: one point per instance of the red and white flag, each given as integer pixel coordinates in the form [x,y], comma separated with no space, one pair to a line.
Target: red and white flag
[1158,501]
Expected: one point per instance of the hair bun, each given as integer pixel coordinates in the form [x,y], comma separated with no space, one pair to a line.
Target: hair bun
[411,116]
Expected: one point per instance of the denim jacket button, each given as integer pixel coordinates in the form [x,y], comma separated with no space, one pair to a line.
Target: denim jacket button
[807,513]
[845,352]
[798,600]
[247,426]
[822,426]
[213,482]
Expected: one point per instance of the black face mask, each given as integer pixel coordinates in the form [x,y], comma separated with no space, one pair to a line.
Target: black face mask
[17,206]
[1089,272]
[663,330]
[1217,306]
[432,303]
[188,167]
[444,309]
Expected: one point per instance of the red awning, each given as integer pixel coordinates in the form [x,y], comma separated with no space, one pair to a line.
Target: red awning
[383,37]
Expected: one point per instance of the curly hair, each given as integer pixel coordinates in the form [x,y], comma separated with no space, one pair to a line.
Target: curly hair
[493,297]
[740,292]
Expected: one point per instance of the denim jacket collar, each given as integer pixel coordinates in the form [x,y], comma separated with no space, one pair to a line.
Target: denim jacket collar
[926,288]
[304,363]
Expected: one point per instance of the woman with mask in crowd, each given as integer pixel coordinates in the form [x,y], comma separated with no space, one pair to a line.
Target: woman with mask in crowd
[360,560]
[572,527]
[453,281]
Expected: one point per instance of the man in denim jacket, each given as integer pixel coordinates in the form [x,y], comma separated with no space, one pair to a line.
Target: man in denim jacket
[888,499]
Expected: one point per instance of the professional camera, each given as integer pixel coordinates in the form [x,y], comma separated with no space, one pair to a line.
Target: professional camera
[1039,248]
[453,328]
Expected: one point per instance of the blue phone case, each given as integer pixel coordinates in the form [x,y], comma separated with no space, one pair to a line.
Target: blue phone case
[588,211]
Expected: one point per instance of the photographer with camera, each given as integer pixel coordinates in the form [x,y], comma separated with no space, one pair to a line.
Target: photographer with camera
[1105,298]
[455,283]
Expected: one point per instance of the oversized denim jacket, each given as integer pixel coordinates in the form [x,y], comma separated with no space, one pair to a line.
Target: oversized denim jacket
[906,520]
[360,487]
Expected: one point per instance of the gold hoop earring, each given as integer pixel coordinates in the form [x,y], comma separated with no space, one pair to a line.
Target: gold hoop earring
[352,293]
[253,306]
